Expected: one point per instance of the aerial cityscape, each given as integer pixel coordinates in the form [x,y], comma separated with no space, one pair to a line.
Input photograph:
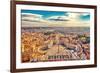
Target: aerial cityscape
[54,36]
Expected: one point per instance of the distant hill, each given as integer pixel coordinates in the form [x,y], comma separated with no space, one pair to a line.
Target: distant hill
[57,29]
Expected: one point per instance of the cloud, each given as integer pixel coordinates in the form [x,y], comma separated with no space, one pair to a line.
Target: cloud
[85,14]
[58,18]
[72,15]
[32,17]
[70,19]
[85,17]
[33,20]
[76,16]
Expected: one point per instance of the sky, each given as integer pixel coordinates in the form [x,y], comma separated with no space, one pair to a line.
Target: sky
[42,18]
